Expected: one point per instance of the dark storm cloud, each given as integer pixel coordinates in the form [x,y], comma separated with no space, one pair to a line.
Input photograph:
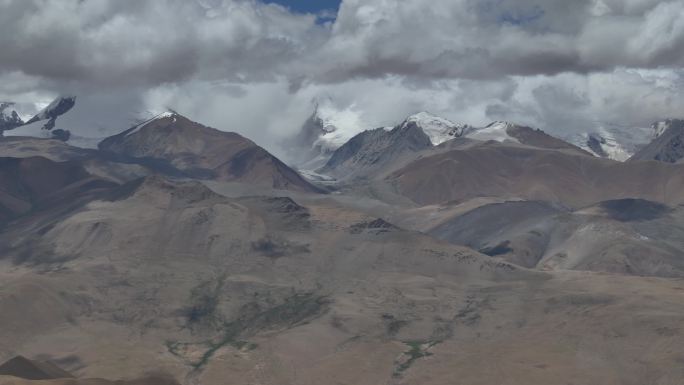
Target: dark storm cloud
[154,42]
[486,39]
[150,42]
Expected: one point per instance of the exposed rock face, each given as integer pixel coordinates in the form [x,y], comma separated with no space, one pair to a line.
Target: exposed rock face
[58,107]
[308,148]
[371,150]
[43,124]
[9,118]
[668,146]
[595,143]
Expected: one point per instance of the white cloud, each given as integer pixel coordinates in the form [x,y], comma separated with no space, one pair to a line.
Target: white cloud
[245,66]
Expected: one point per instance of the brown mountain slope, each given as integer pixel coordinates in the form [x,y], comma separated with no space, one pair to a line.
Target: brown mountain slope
[23,371]
[150,380]
[97,163]
[499,170]
[27,147]
[218,273]
[627,236]
[22,367]
[173,277]
[538,138]
[203,152]
[38,183]
[95,381]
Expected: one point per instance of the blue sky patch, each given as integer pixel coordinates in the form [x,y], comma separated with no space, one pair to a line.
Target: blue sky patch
[326,9]
[522,17]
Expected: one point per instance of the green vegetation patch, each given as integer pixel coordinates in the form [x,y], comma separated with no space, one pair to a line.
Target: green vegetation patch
[253,318]
[417,350]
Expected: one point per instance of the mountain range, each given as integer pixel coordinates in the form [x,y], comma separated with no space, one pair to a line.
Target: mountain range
[175,253]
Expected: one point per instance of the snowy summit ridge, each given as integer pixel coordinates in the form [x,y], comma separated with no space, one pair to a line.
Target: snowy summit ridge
[42,125]
[163,115]
[497,131]
[59,106]
[9,119]
[438,129]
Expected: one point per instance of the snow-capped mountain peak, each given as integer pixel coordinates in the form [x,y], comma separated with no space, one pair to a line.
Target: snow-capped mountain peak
[57,107]
[163,115]
[76,122]
[438,129]
[613,141]
[336,126]
[667,144]
[497,131]
[44,124]
[661,126]
[604,145]
[9,118]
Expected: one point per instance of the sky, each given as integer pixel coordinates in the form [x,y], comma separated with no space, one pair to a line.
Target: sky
[327,8]
[260,68]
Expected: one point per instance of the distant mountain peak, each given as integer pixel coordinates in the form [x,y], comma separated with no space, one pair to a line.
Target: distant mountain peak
[192,149]
[42,125]
[323,132]
[371,150]
[502,124]
[660,127]
[605,145]
[667,145]
[9,118]
[173,116]
[438,129]
[611,141]
[497,131]
[57,107]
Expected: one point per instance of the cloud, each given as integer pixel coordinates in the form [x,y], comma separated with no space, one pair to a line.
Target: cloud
[487,39]
[257,68]
[108,42]
[154,42]
[569,103]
